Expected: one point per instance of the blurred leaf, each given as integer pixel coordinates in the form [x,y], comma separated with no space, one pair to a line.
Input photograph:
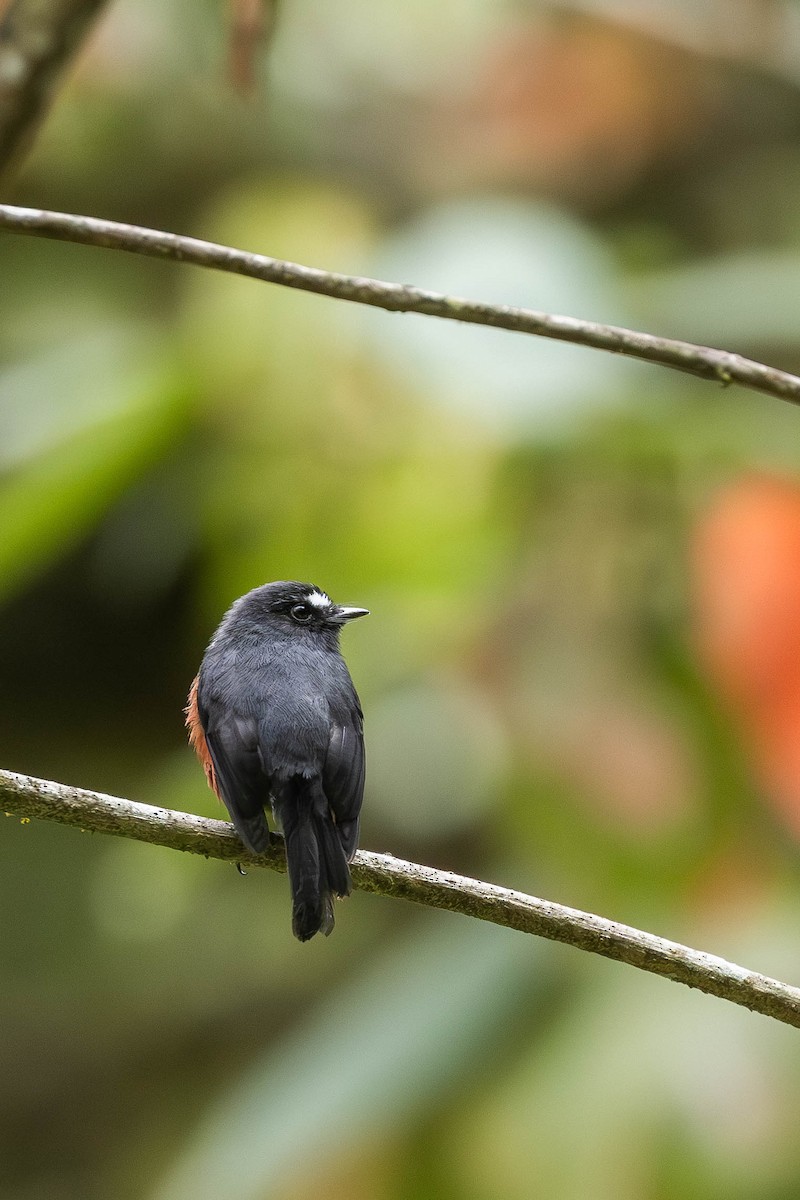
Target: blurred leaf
[369,1057]
[67,389]
[739,300]
[105,410]
[437,757]
[290,345]
[520,253]
[692,1080]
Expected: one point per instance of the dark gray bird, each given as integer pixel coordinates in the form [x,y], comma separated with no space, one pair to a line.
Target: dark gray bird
[275,720]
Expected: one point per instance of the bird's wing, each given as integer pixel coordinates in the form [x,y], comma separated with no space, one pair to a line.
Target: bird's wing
[241,785]
[343,772]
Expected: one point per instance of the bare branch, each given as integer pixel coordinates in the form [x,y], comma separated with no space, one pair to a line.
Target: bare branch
[719,366]
[37,40]
[25,797]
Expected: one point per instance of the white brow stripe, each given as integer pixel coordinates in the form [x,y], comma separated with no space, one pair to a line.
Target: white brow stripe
[318,599]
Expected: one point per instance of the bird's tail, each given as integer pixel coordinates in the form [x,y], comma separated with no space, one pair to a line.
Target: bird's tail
[315,859]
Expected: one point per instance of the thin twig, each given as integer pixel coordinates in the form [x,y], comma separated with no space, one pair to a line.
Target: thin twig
[24,797]
[720,366]
[38,38]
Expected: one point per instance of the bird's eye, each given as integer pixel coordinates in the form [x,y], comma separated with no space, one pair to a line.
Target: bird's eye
[300,613]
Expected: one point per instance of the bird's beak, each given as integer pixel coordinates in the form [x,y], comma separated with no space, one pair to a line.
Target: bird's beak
[350,614]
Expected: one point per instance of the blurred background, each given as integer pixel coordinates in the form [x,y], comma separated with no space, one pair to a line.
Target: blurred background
[581,675]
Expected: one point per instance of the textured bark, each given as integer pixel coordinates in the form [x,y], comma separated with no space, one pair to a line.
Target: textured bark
[24,797]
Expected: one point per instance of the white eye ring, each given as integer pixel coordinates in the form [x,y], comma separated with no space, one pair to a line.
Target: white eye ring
[301,613]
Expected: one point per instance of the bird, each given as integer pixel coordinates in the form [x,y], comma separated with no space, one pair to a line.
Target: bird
[276,723]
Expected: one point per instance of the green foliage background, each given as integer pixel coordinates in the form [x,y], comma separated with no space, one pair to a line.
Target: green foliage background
[516,515]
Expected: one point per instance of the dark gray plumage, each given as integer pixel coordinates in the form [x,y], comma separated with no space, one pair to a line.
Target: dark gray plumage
[275,720]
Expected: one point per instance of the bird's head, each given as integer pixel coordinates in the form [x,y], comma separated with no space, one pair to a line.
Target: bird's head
[289,607]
